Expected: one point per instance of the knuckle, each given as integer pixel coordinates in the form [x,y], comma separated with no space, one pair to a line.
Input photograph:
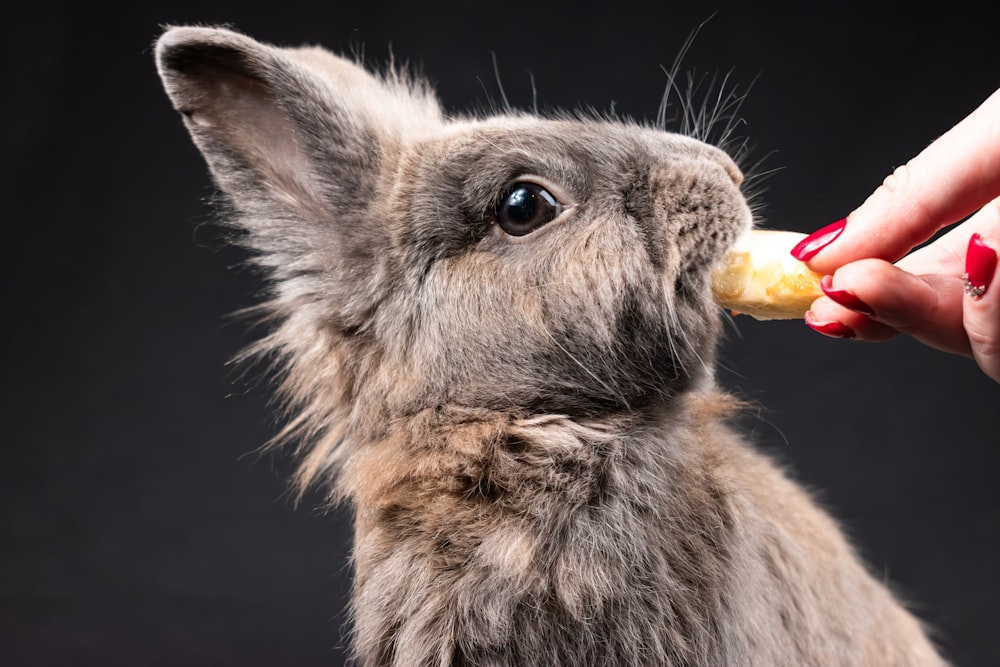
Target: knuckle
[904,195]
[898,181]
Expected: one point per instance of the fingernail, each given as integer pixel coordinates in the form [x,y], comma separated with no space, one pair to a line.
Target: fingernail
[980,265]
[844,298]
[807,248]
[832,329]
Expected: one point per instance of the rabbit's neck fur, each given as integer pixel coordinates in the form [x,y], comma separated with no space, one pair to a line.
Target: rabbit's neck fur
[496,338]
[473,526]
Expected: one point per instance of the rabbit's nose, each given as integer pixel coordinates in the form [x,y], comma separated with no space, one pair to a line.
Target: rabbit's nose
[720,156]
[733,171]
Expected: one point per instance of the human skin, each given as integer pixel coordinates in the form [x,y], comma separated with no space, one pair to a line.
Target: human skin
[876,290]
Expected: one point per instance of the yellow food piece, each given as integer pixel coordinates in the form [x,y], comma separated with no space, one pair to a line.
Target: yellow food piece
[760,278]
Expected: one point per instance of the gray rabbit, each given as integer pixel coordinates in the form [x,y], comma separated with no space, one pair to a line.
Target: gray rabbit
[495,337]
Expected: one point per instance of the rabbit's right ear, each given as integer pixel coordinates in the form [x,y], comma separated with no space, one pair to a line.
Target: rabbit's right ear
[297,129]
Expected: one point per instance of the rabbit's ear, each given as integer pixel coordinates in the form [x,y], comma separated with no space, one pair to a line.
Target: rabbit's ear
[301,128]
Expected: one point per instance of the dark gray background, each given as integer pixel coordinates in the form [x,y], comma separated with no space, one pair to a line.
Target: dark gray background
[139,526]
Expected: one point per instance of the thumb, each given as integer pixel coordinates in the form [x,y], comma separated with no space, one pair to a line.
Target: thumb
[981,311]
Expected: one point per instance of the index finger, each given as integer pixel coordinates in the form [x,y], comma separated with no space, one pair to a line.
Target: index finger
[950,179]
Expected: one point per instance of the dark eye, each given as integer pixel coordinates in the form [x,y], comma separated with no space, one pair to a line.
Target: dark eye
[526,207]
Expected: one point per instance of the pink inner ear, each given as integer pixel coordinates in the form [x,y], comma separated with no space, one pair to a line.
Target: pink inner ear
[234,115]
[260,129]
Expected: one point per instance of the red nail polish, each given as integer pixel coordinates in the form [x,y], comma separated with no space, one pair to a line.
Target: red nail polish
[980,265]
[833,329]
[844,298]
[807,248]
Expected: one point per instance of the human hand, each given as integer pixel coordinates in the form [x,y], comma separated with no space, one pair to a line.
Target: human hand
[875,290]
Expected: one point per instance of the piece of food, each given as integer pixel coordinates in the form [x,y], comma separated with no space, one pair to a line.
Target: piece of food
[760,278]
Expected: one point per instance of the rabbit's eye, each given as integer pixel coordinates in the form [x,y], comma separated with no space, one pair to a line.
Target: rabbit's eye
[526,207]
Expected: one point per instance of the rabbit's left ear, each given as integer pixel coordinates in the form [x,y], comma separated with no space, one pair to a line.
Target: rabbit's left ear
[299,129]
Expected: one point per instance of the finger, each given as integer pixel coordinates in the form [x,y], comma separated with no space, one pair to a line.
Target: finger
[877,300]
[981,313]
[951,178]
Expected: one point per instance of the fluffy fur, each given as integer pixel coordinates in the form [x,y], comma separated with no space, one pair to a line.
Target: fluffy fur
[527,426]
